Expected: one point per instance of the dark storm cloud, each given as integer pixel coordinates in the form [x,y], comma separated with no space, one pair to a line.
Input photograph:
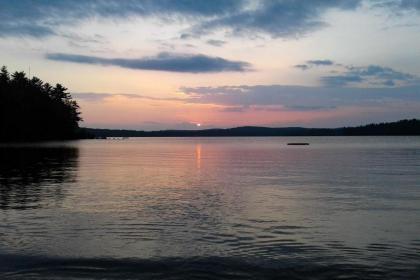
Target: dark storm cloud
[171,62]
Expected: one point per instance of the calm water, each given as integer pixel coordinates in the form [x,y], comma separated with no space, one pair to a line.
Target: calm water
[212,208]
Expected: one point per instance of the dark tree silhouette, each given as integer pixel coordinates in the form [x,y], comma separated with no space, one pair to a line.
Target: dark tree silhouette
[31,110]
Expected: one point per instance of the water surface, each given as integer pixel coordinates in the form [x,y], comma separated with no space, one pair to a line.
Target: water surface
[215,208]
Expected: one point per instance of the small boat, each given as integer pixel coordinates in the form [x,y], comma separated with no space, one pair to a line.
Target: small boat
[297,144]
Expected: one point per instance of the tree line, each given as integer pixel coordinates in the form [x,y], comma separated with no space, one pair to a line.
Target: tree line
[402,127]
[31,110]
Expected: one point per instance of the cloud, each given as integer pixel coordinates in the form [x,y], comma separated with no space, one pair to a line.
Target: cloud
[40,18]
[341,80]
[322,62]
[216,43]
[149,125]
[277,18]
[302,66]
[312,63]
[274,108]
[400,4]
[371,74]
[186,36]
[99,97]
[281,18]
[234,109]
[24,30]
[384,73]
[171,62]
[300,98]
[409,4]
[367,75]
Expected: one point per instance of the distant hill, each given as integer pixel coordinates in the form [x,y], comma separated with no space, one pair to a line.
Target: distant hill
[403,127]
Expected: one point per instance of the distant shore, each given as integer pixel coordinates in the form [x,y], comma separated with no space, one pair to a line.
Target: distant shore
[403,127]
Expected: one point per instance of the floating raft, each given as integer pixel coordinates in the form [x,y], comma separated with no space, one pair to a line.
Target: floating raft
[297,144]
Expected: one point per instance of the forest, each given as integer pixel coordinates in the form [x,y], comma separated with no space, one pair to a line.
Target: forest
[33,110]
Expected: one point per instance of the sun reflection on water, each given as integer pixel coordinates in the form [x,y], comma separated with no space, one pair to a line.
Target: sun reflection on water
[198,155]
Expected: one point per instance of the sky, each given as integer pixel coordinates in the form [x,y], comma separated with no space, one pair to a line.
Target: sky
[193,64]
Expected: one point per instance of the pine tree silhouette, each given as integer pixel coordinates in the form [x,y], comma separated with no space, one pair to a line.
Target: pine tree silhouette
[31,110]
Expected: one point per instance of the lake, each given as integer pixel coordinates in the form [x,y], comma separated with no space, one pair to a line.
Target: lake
[212,208]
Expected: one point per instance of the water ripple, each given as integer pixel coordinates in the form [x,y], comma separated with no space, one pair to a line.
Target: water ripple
[19,267]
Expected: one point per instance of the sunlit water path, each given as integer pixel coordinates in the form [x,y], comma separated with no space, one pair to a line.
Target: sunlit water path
[215,208]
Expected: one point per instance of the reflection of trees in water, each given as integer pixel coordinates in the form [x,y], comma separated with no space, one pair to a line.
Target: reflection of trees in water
[32,177]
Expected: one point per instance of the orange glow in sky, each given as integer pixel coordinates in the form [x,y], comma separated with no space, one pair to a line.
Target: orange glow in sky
[220,65]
